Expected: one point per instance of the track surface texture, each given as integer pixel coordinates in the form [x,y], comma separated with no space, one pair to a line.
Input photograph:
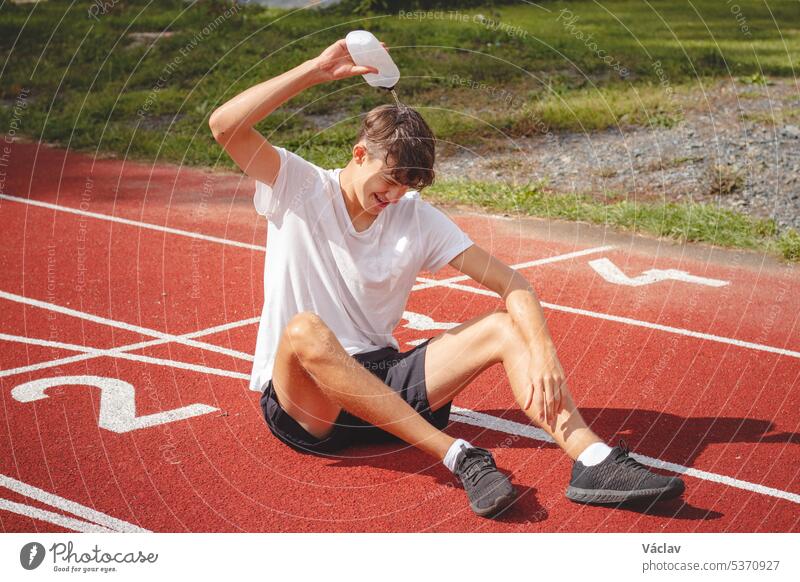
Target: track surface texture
[129,306]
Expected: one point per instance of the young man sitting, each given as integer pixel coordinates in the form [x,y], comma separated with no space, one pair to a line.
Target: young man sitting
[344,248]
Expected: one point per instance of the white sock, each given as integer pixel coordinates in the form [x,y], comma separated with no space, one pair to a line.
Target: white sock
[452,453]
[594,454]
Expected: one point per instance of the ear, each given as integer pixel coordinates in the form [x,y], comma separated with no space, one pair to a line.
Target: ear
[360,153]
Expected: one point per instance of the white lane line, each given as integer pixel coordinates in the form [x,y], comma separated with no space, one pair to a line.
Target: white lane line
[146,225]
[122,325]
[675,330]
[635,322]
[490,422]
[482,420]
[113,352]
[239,244]
[553,259]
[117,354]
[72,507]
[426,282]
[54,518]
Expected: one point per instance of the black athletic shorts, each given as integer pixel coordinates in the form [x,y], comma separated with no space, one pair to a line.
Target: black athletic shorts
[403,372]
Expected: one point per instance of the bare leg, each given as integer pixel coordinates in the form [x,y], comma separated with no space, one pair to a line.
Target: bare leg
[315,378]
[571,432]
[458,356]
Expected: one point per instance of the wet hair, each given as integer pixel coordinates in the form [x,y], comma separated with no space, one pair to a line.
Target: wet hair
[404,140]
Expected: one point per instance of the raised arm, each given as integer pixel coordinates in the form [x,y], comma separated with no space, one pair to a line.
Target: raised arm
[233,122]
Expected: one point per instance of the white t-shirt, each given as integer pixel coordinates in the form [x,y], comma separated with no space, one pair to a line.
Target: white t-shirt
[357,282]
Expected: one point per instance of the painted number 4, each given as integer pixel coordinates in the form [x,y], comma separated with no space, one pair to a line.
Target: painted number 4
[117,402]
[611,273]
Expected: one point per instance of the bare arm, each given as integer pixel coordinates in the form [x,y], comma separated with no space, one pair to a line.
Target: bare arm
[233,122]
[545,373]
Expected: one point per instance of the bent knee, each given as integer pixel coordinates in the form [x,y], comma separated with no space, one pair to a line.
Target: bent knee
[308,335]
[303,323]
[504,329]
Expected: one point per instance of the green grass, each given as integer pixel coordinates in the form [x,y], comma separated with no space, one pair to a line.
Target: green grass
[685,221]
[89,81]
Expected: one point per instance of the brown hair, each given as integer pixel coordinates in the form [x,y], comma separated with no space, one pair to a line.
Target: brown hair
[405,140]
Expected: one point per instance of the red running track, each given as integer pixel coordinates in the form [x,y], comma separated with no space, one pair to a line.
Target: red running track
[704,378]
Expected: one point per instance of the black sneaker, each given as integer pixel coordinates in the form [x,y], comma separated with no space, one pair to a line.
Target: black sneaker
[489,491]
[620,478]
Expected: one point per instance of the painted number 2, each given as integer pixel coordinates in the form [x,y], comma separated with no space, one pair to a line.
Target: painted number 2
[117,402]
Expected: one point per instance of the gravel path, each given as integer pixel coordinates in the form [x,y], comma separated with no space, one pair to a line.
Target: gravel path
[738,145]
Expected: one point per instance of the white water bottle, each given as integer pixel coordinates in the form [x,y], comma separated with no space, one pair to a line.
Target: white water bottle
[367,51]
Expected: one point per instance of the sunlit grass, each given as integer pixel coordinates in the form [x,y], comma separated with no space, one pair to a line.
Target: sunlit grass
[685,221]
[94,88]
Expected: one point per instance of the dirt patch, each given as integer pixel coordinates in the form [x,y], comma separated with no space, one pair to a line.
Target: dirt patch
[738,146]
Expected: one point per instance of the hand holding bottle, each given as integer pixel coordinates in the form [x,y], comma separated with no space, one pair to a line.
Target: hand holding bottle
[336,63]
[367,50]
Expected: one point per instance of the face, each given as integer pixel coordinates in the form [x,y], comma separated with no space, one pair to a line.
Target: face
[374,186]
